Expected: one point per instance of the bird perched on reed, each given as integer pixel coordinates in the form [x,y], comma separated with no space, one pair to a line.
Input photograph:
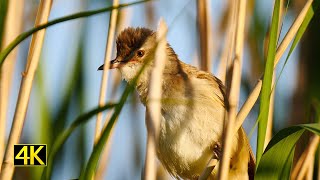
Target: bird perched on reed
[192,108]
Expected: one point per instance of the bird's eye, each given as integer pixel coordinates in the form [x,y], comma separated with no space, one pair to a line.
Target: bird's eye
[140,53]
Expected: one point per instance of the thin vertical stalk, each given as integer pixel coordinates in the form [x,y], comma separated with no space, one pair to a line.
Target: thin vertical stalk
[309,174]
[25,89]
[204,24]
[121,21]
[234,91]
[298,165]
[12,28]
[247,106]
[225,62]
[150,14]
[150,170]
[309,158]
[107,59]
[300,170]
[153,112]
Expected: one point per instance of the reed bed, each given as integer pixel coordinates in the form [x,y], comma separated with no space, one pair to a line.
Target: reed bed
[25,89]
[153,112]
[275,151]
[234,91]
[105,75]
[104,81]
[12,28]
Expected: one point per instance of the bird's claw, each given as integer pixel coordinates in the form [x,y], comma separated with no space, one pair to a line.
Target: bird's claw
[217,151]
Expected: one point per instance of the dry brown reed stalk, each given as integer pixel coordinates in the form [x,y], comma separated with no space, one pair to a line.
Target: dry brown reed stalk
[306,159]
[121,22]
[247,106]
[107,59]
[234,91]
[25,89]
[204,24]
[225,61]
[150,13]
[12,28]
[298,165]
[153,112]
[309,174]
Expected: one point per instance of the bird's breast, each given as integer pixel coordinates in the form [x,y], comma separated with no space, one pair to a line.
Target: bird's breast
[186,136]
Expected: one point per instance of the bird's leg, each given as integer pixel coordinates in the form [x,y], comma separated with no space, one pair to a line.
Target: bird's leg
[212,163]
[217,152]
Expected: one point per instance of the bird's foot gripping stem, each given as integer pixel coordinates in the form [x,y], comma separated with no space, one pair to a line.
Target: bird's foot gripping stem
[214,161]
[217,151]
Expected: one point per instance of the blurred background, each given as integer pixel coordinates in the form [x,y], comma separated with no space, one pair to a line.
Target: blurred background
[67,82]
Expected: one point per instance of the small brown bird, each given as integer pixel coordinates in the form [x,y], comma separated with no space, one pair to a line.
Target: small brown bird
[192,108]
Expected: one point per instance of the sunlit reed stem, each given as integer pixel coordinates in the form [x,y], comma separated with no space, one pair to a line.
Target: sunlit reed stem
[116,79]
[204,25]
[234,91]
[306,159]
[107,59]
[227,51]
[225,63]
[153,113]
[25,89]
[247,106]
[309,174]
[12,29]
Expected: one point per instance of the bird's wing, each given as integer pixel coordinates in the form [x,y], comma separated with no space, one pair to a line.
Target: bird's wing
[219,90]
[217,87]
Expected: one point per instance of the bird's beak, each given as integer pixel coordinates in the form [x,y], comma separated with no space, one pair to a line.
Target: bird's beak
[113,64]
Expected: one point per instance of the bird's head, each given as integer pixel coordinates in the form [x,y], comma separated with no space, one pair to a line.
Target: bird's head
[134,47]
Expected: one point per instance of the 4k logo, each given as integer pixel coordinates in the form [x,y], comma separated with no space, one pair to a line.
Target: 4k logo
[30,155]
